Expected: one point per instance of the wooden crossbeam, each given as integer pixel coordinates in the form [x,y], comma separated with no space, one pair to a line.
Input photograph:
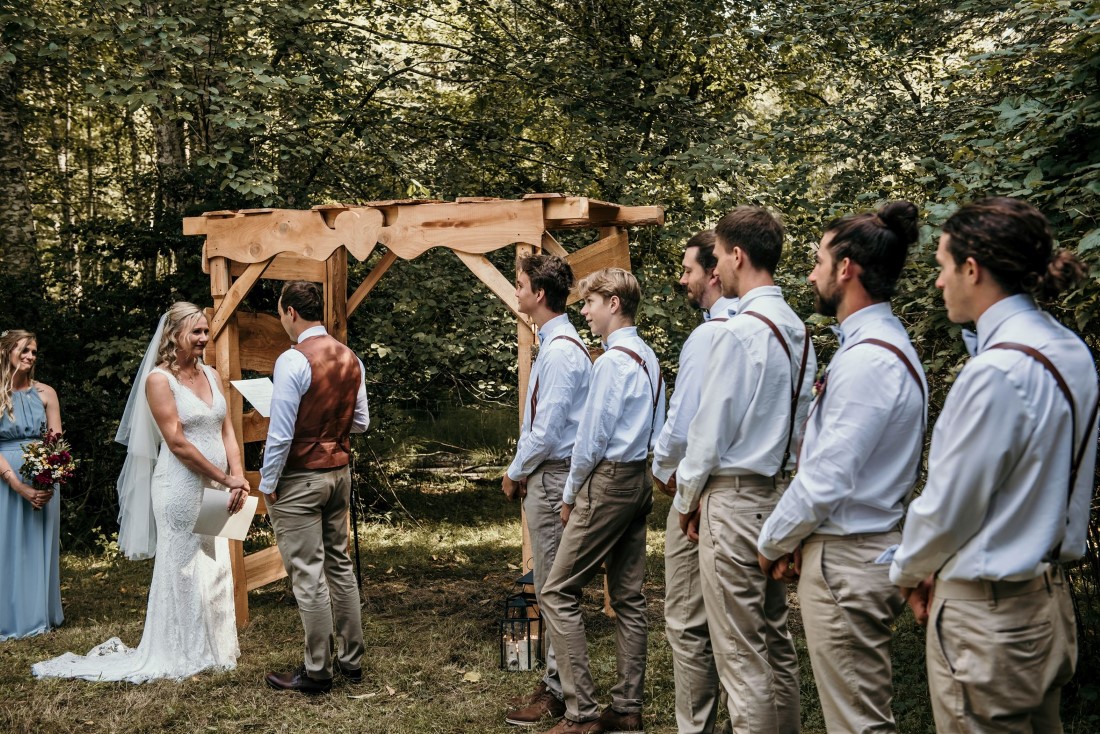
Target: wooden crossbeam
[612,216]
[375,275]
[236,294]
[263,567]
[487,273]
[551,245]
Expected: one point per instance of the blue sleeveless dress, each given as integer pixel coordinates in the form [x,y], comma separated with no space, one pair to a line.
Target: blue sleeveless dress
[30,580]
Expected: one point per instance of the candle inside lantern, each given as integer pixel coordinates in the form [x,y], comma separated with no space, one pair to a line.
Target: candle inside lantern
[522,652]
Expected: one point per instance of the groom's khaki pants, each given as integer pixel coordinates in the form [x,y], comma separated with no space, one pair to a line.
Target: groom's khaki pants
[310,518]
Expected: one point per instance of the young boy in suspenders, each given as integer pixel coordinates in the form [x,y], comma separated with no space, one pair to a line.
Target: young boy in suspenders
[607,497]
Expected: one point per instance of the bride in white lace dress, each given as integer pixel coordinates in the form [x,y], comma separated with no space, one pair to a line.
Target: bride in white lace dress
[189,624]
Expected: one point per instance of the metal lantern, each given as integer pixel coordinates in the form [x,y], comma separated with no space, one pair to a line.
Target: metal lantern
[521,628]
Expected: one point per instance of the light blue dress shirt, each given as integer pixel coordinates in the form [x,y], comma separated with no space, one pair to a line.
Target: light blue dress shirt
[620,421]
[995,503]
[672,443]
[743,420]
[562,372]
[862,444]
[291,379]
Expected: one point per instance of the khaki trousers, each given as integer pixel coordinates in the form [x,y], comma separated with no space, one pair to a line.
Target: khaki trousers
[998,654]
[608,523]
[543,509]
[310,519]
[848,609]
[693,668]
[753,650]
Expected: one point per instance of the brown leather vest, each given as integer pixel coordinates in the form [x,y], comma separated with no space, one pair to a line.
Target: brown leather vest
[326,410]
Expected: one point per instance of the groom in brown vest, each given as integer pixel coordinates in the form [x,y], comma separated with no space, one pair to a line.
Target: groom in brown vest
[319,398]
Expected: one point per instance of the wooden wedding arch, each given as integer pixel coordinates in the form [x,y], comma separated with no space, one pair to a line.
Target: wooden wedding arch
[243,247]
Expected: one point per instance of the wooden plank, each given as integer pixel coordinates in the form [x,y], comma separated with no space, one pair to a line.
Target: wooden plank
[470,228]
[375,275]
[253,478]
[287,266]
[565,207]
[610,252]
[552,246]
[336,294]
[608,216]
[543,196]
[263,567]
[236,294]
[254,427]
[490,276]
[305,233]
[262,340]
[228,367]
[469,199]
[194,225]
[525,337]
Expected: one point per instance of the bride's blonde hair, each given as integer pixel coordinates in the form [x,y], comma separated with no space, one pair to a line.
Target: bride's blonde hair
[181,317]
[10,341]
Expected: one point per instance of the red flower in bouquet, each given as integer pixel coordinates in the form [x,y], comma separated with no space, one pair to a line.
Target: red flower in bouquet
[49,462]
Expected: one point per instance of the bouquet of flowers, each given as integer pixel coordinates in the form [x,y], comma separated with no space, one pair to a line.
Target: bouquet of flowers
[48,462]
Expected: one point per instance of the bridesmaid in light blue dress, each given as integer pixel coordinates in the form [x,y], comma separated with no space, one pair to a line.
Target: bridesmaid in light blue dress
[30,584]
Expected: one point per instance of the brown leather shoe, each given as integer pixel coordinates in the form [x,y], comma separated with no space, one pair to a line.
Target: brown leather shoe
[613,722]
[297,680]
[568,726]
[545,706]
[526,699]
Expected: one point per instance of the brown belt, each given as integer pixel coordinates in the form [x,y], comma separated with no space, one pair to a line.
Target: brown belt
[737,482]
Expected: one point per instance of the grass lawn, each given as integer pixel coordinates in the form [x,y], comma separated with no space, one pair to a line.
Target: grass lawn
[432,592]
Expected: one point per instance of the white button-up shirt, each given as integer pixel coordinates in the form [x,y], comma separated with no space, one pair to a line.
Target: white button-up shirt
[672,443]
[562,372]
[863,441]
[291,378]
[995,503]
[743,421]
[620,421]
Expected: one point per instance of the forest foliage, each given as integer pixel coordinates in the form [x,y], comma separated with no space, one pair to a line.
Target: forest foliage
[120,117]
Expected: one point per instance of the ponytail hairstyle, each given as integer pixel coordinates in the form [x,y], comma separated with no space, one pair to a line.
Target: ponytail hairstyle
[179,320]
[878,242]
[11,341]
[1012,240]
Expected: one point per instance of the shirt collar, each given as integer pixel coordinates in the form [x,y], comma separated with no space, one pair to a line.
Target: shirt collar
[862,317]
[622,334]
[552,326]
[997,314]
[723,308]
[759,292]
[312,331]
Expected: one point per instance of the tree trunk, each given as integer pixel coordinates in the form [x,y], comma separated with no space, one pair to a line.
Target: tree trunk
[20,271]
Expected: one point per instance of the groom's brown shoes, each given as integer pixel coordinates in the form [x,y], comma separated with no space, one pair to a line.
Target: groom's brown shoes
[297,680]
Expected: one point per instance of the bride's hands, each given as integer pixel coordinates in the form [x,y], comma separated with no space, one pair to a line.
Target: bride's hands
[238,492]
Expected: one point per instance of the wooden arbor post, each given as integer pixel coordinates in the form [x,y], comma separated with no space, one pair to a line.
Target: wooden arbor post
[244,247]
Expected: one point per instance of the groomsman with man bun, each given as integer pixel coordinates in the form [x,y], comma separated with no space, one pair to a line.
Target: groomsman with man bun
[1010,475]
[857,465]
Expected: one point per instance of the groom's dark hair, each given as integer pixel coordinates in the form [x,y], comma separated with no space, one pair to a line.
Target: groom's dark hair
[304,297]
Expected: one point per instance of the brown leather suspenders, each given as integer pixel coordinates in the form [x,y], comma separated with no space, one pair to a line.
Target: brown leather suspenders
[795,390]
[660,379]
[535,389]
[1075,456]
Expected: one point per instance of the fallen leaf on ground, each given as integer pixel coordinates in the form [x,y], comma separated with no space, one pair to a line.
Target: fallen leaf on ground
[361,696]
[390,690]
[472,677]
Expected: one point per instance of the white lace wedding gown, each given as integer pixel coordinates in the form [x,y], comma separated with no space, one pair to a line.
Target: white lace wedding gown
[189,624]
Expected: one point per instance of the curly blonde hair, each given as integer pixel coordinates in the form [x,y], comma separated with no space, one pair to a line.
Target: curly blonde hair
[181,317]
[11,341]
